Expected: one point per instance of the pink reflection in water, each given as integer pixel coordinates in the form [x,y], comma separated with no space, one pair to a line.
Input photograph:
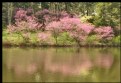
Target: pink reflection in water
[25,69]
[104,61]
[73,65]
[69,68]
[19,70]
[31,68]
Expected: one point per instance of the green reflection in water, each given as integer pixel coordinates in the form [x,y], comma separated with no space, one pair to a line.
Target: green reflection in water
[61,65]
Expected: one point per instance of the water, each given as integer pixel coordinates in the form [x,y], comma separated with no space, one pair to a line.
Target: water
[61,65]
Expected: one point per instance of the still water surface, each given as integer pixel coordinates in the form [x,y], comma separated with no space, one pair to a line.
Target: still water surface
[61,65]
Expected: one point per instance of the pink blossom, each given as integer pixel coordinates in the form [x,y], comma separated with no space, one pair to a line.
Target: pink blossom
[86,27]
[24,22]
[11,28]
[54,26]
[104,32]
[69,23]
[20,15]
[64,14]
[43,36]
[30,24]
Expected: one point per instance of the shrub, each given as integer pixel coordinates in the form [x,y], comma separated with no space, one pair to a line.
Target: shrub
[105,34]
[26,37]
[65,39]
[44,38]
[29,25]
[117,40]
[34,39]
[14,38]
[20,15]
[81,32]
[92,40]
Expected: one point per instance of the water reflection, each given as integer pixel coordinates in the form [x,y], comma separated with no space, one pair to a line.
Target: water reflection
[72,65]
[104,61]
[69,64]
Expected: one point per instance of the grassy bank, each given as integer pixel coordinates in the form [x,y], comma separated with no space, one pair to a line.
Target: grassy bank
[63,40]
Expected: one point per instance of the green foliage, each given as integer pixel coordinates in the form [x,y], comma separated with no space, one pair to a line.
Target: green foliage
[65,39]
[4,32]
[99,14]
[117,40]
[15,39]
[92,40]
[89,19]
[104,13]
[33,39]
[107,14]
[100,21]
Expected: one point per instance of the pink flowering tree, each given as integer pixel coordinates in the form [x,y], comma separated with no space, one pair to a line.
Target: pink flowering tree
[77,30]
[56,23]
[25,21]
[81,32]
[45,17]
[56,28]
[104,34]
[20,15]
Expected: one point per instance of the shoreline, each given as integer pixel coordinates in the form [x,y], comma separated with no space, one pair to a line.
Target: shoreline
[33,45]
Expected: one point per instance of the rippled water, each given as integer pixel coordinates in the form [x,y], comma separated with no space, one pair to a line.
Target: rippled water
[61,65]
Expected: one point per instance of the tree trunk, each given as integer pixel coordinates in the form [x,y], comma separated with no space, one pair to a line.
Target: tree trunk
[8,5]
[66,6]
[10,10]
[32,4]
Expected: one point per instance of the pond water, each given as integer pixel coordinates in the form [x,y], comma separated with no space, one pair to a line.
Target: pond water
[61,64]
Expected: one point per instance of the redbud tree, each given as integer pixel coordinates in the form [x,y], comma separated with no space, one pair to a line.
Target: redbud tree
[104,33]
[56,23]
